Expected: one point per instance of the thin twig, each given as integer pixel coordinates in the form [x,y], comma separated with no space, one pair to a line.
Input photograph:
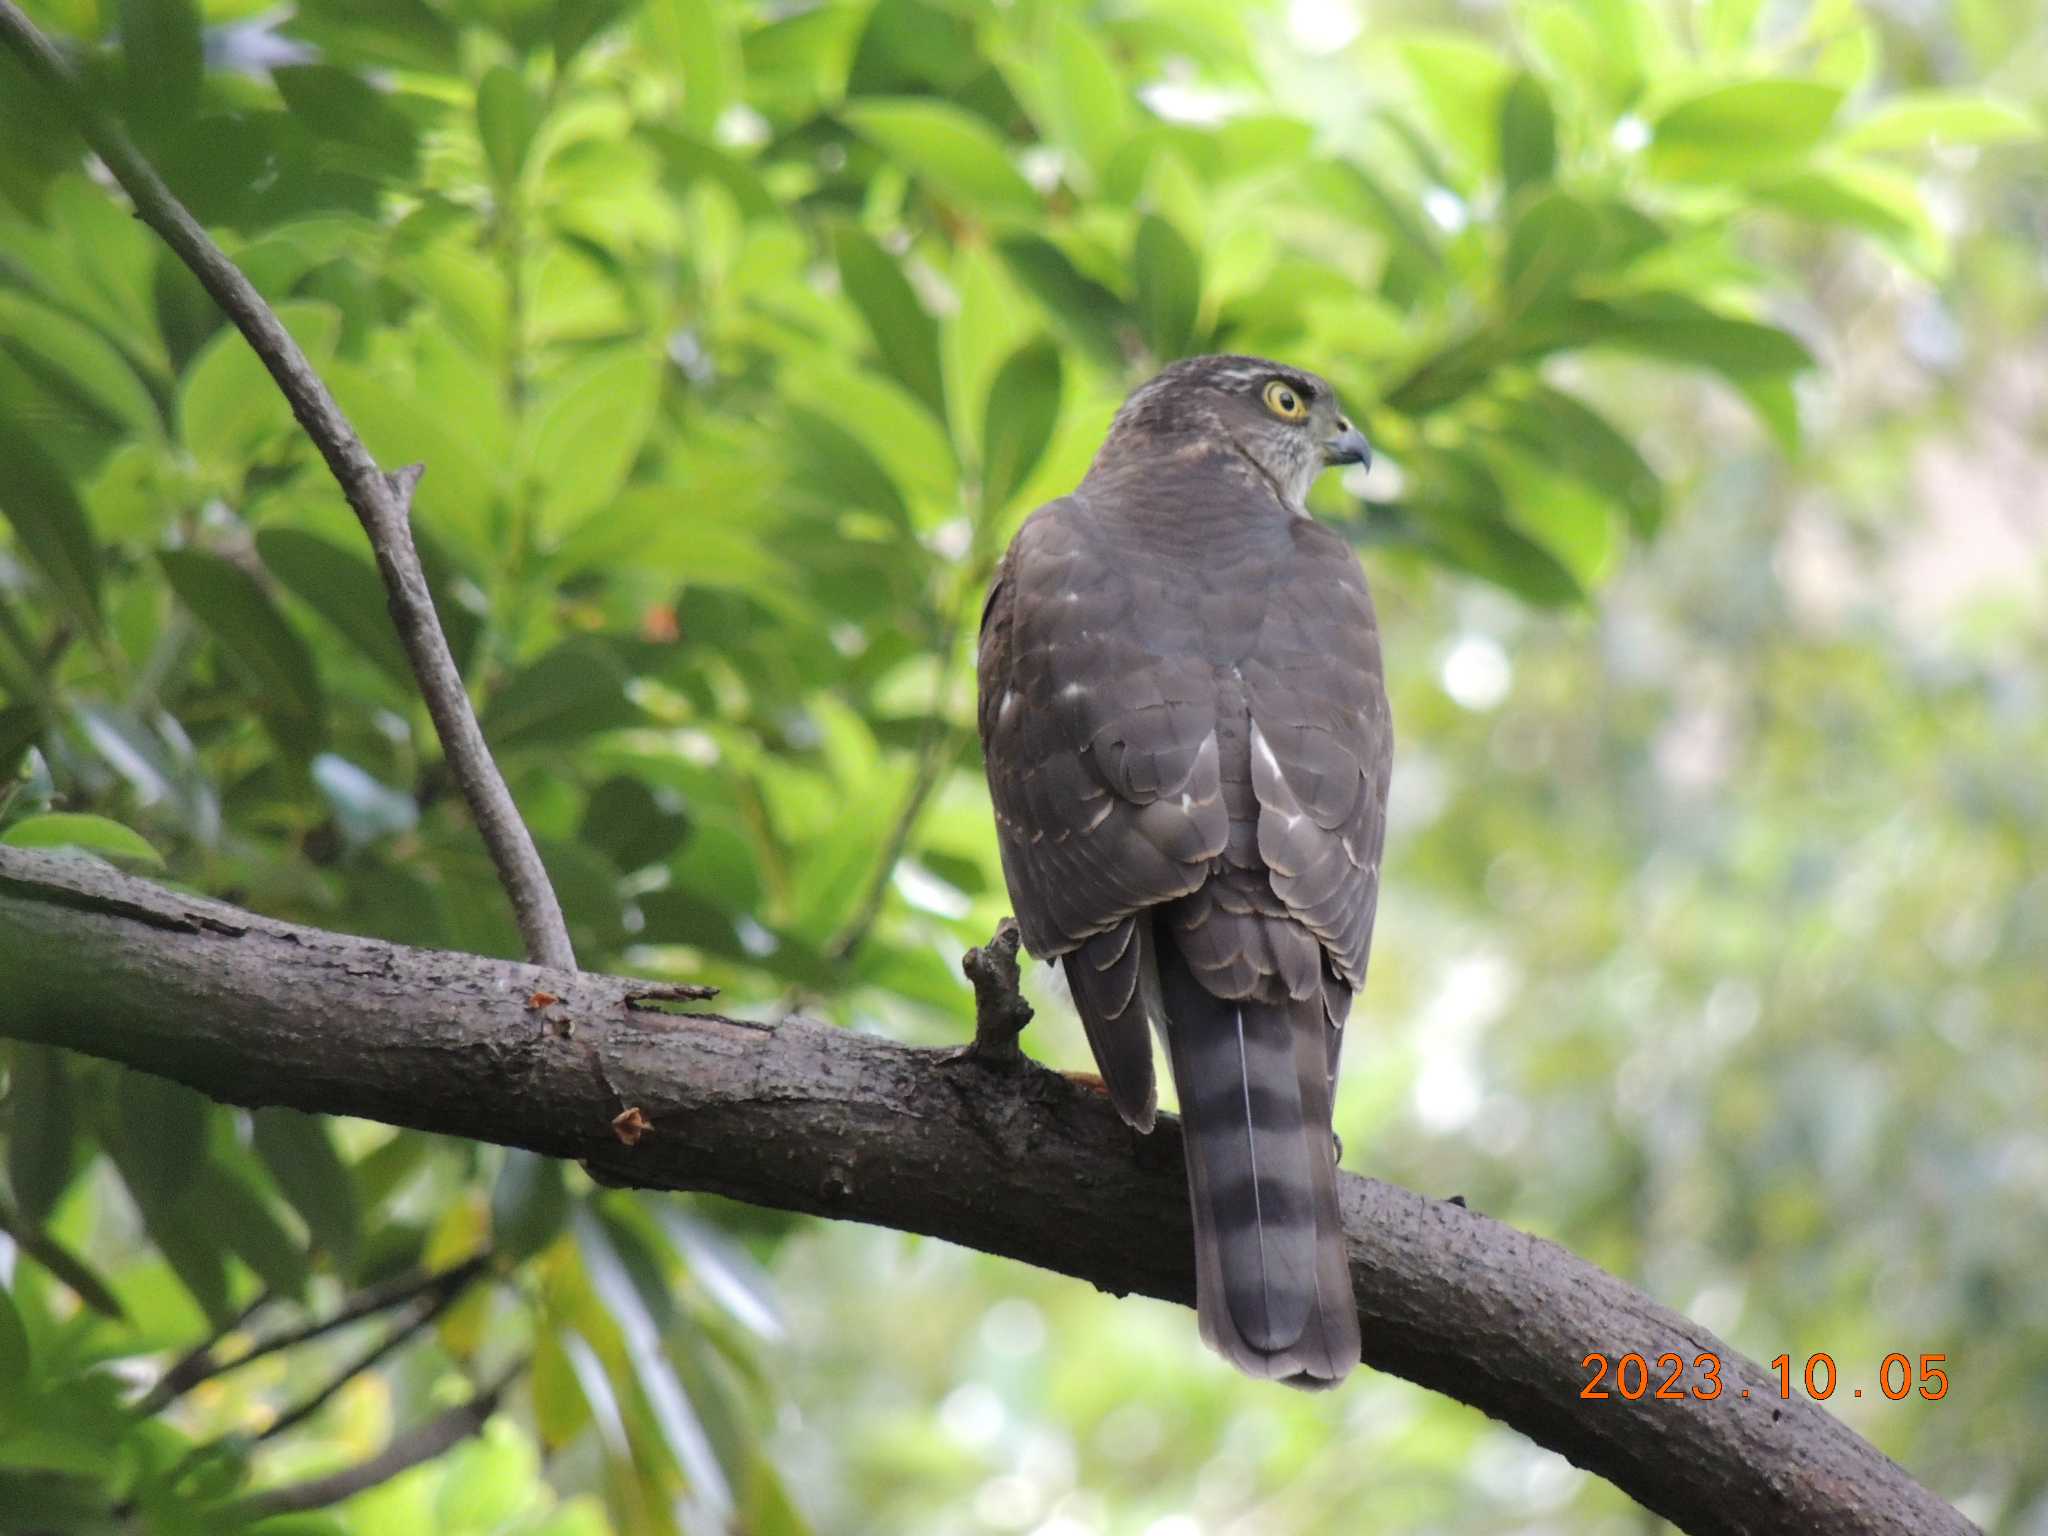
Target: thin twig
[383,502]
[199,1362]
[203,1365]
[421,1443]
[396,1339]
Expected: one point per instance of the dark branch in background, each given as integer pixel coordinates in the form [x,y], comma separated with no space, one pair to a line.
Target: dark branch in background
[200,1362]
[436,1301]
[204,1363]
[382,502]
[1013,1160]
[419,1444]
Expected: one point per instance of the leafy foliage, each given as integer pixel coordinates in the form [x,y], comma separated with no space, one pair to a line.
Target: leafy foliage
[736,339]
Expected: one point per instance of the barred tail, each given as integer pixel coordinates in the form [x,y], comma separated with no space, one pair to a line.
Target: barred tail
[1272,1285]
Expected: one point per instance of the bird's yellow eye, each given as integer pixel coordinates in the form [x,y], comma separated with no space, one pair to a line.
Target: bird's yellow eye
[1285,401]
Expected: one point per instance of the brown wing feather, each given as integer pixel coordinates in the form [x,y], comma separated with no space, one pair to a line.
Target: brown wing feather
[1102,766]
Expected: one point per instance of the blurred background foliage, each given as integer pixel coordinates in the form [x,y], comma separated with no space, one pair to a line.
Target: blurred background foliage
[1706,349]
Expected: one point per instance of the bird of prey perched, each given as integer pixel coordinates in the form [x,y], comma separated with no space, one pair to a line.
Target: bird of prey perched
[1188,745]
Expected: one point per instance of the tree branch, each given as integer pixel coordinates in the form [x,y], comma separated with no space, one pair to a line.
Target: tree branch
[1015,1160]
[382,502]
[419,1444]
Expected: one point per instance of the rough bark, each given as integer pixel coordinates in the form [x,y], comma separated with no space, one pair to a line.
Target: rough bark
[999,1155]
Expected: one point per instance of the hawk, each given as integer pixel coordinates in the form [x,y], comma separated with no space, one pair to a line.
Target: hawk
[1188,745]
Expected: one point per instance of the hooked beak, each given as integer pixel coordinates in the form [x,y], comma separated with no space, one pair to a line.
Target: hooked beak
[1348,447]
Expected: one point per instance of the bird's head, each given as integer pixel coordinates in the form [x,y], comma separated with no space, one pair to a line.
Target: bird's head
[1284,420]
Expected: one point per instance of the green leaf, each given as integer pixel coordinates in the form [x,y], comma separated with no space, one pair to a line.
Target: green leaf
[14,1352]
[1023,408]
[1920,120]
[237,612]
[529,1203]
[560,1409]
[690,38]
[1552,240]
[1088,103]
[344,108]
[958,154]
[42,1131]
[52,344]
[248,1225]
[1086,312]
[162,1121]
[1670,325]
[230,412]
[1552,425]
[156,1135]
[343,588]
[506,116]
[589,427]
[71,1270]
[36,497]
[1461,80]
[629,1282]
[20,727]
[1870,197]
[1460,514]
[164,58]
[1528,134]
[1168,282]
[904,332]
[300,1155]
[577,689]
[95,834]
[1741,130]
[626,822]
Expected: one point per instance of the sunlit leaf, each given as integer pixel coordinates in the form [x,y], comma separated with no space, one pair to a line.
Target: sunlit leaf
[1921,120]
[94,834]
[1089,102]
[1736,131]
[691,38]
[229,408]
[506,116]
[589,427]
[52,343]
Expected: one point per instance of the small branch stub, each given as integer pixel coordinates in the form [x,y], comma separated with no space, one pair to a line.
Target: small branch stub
[1000,1012]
